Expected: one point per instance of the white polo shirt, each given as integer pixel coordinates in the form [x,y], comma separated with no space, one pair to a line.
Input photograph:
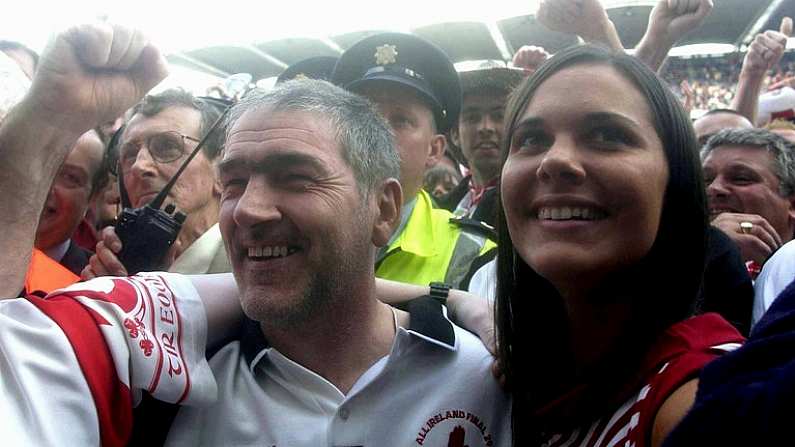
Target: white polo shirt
[435,388]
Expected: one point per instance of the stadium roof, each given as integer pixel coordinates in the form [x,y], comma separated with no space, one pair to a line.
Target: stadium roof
[211,40]
[732,23]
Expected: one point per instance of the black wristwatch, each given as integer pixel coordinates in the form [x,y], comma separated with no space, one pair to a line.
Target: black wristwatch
[439,292]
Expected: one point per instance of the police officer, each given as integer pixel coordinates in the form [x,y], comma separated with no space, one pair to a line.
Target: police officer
[416,88]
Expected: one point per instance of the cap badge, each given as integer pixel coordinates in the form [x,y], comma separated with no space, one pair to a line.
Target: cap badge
[301,77]
[385,54]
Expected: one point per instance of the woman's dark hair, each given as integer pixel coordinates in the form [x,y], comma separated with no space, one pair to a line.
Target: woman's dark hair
[661,289]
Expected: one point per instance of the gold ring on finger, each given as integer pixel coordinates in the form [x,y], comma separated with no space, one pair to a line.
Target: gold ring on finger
[746,227]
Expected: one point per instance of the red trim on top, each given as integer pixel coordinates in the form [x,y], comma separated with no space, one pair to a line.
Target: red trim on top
[695,334]
[112,398]
[684,349]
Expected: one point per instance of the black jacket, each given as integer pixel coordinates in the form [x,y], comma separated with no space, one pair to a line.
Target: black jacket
[75,258]
[487,208]
[745,397]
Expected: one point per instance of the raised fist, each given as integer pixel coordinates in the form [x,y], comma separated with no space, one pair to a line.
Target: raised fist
[671,19]
[585,18]
[91,73]
[530,57]
[767,48]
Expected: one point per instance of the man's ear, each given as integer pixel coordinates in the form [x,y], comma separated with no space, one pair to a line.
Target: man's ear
[388,202]
[438,145]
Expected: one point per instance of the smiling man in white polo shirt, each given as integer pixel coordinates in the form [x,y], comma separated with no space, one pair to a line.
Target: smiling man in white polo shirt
[310,192]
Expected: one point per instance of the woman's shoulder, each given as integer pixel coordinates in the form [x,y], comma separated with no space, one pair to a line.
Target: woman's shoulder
[683,350]
[678,357]
[692,341]
[675,359]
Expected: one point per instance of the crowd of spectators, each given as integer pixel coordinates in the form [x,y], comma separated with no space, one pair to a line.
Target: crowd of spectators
[713,80]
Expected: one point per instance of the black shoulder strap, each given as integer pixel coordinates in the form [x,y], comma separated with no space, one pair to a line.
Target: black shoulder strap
[479,262]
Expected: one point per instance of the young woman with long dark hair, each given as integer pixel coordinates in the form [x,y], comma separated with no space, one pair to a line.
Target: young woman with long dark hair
[601,256]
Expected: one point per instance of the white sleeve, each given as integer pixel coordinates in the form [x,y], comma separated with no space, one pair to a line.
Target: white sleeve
[45,399]
[484,281]
[77,361]
[777,273]
[156,329]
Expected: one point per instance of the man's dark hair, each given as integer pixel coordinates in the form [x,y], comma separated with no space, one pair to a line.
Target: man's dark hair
[488,89]
[497,81]
[151,105]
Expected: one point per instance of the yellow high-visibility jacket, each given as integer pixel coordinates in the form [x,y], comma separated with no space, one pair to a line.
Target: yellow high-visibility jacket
[434,246]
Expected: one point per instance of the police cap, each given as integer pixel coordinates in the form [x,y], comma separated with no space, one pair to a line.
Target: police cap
[319,67]
[408,60]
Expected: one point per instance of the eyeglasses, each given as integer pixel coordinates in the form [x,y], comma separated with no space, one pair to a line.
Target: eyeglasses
[163,147]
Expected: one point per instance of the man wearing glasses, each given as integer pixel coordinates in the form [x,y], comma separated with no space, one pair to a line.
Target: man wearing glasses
[163,130]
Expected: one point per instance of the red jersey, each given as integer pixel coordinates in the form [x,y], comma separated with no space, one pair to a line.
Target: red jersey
[676,357]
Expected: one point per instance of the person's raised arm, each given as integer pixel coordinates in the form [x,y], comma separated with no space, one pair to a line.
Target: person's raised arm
[786,82]
[529,58]
[689,96]
[86,75]
[763,54]
[669,21]
[585,18]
